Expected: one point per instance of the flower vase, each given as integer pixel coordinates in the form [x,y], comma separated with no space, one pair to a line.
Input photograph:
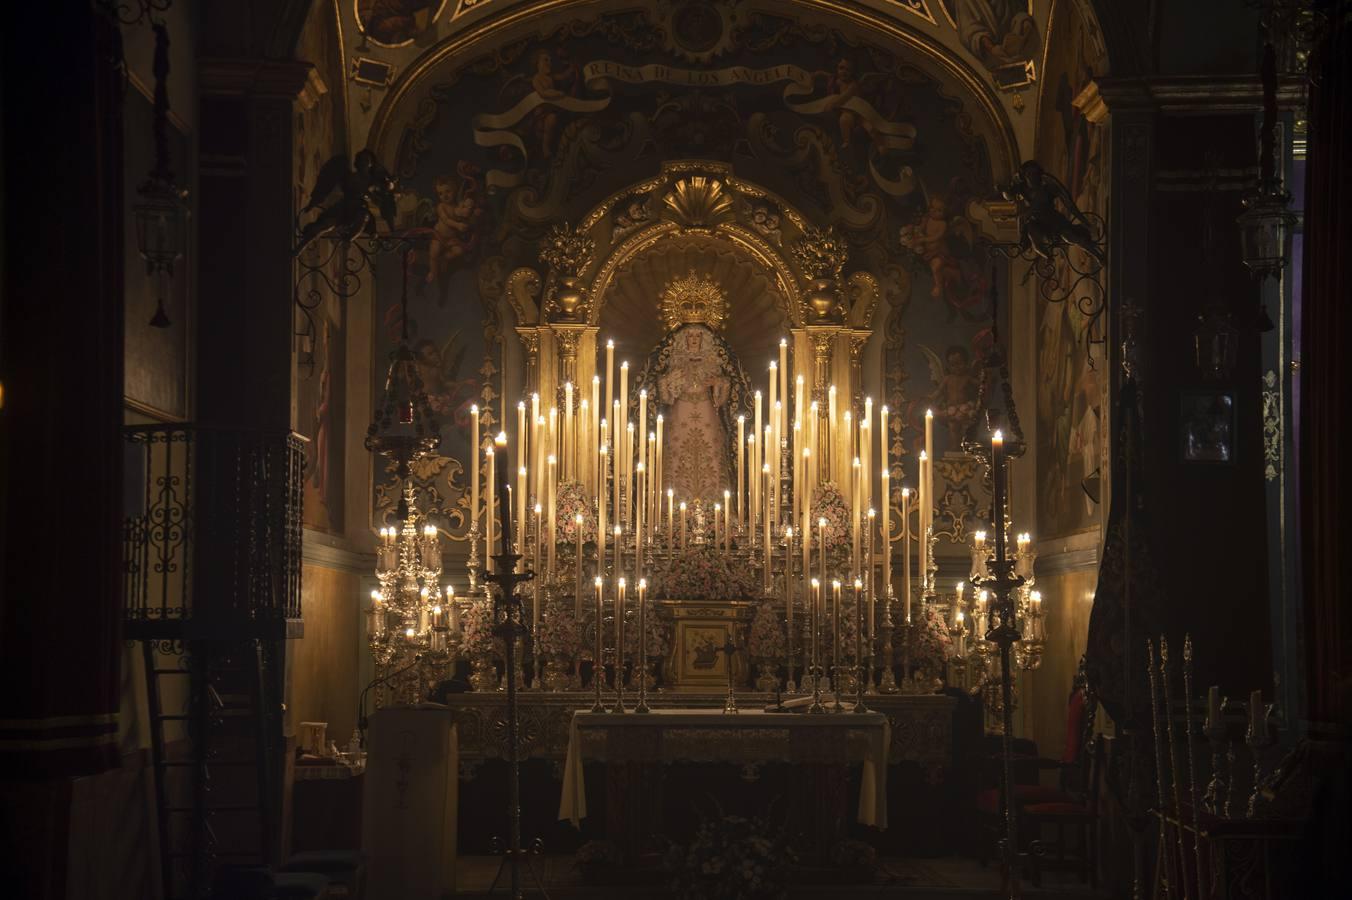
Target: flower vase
[766,679]
[558,675]
[483,674]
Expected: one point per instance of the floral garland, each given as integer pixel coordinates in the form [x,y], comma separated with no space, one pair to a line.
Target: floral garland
[558,636]
[572,499]
[732,858]
[476,630]
[659,638]
[931,644]
[829,503]
[703,574]
[766,641]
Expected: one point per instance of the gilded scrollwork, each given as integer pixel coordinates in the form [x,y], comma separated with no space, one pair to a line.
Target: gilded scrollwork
[1272,425]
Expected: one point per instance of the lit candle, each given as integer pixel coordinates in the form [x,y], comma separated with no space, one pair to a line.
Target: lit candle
[616,462]
[684,522]
[602,454]
[488,513]
[569,429]
[922,523]
[539,559]
[821,546]
[610,375]
[775,444]
[619,631]
[962,634]
[866,449]
[765,474]
[474,467]
[630,484]
[657,476]
[521,508]
[577,543]
[619,549]
[886,477]
[643,426]
[998,500]
[774,392]
[752,487]
[788,588]
[377,626]
[551,512]
[727,521]
[856,508]
[835,634]
[624,388]
[1021,560]
[718,521]
[906,550]
[638,520]
[814,476]
[741,482]
[869,570]
[755,467]
[832,438]
[594,429]
[784,372]
[671,512]
[521,447]
[598,670]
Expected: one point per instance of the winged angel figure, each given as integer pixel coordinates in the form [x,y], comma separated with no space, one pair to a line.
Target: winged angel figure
[348,198]
[1042,225]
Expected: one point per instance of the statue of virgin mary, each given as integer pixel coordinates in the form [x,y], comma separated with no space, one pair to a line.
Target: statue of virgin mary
[700,389]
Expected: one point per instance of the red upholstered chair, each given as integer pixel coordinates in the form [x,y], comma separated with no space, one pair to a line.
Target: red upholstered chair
[1079,815]
[1071,767]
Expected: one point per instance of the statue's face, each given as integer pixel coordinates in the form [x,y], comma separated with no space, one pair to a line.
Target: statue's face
[694,339]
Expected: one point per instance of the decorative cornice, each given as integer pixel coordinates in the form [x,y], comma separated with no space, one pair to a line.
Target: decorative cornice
[283,79]
[327,552]
[1185,93]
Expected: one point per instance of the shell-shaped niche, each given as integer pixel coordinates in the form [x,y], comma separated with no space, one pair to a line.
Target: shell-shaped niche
[631,308]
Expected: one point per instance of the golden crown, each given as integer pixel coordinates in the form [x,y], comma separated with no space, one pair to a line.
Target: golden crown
[693,298]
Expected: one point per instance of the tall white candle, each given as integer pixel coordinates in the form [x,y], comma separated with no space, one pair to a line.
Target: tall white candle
[610,375]
[659,475]
[906,549]
[756,460]
[551,510]
[885,477]
[594,428]
[741,453]
[474,466]
[521,474]
[784,373]
[568,429]
[488,513]
[603,455]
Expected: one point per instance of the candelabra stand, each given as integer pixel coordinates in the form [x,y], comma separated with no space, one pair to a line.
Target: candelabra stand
[619,662]
[1002,585]
[859,706]
[1259,741]
[887,682]
[473,563]
[805,686]
[598,658]
[908,683]
[1214,798]
[511,627]
[815,667]
[642,705]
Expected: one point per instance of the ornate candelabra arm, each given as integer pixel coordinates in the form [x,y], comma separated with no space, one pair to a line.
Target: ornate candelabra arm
[887,682]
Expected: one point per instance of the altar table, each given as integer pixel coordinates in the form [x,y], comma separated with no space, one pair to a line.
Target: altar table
[633,744]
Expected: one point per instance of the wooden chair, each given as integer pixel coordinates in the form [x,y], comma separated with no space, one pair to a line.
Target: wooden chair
[1075,814]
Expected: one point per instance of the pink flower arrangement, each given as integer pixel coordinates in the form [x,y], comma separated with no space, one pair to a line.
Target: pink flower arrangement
[573,499]
[559,636]
[659,641]
[703,574]
[476,630]
[828,503]
[766,641]
[931,644]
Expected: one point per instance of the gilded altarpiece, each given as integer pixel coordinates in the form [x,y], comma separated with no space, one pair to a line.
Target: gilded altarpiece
[598,131]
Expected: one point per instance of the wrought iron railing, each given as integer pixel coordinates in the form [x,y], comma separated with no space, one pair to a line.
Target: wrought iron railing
[212,528]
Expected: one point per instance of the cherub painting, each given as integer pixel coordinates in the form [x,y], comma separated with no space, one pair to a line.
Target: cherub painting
[944,239]
[458,207]
[954,397]
[550,80]
[439,368]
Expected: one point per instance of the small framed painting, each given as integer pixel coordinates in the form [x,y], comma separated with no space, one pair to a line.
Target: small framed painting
[1207,426]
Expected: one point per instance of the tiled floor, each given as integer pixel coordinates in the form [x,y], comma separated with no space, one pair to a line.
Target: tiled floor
[915,879]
